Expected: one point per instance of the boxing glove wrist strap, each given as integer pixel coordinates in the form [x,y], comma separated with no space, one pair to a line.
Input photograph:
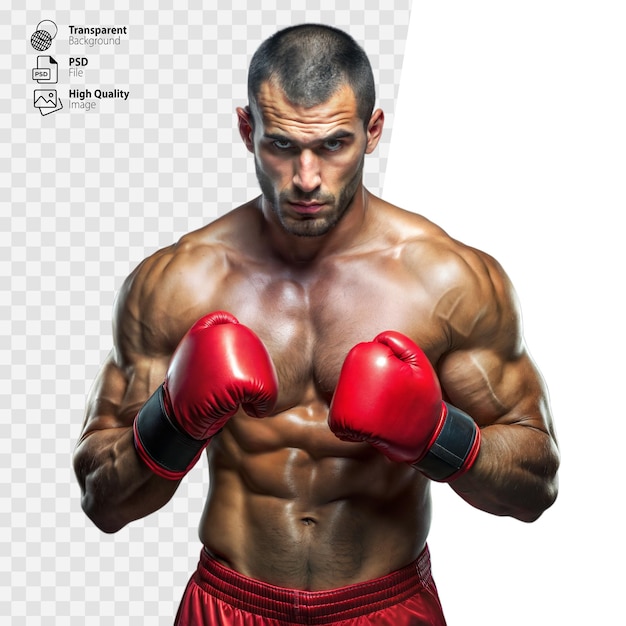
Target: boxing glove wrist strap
[163,447]
[454,450]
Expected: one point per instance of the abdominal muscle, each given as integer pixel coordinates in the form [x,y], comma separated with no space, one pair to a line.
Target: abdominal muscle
[292,505]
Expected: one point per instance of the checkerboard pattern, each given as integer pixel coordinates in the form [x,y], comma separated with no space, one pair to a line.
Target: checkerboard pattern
[84,196]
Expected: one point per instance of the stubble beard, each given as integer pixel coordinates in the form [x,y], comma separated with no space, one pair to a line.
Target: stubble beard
[316,226]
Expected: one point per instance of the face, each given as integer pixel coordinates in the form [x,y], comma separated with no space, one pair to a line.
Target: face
[309,161]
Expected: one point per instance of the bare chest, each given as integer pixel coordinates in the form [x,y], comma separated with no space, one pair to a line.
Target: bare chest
[309,322]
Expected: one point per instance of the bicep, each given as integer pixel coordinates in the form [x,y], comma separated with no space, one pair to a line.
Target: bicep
[488,371]
[136,365]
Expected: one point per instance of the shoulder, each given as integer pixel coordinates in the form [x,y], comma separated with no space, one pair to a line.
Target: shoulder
[426,246]
[169,290]
[469,291]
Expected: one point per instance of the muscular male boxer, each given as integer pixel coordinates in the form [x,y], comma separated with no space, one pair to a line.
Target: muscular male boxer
[332,354]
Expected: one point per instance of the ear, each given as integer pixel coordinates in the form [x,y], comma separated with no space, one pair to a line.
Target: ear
[246,130]
[374,130]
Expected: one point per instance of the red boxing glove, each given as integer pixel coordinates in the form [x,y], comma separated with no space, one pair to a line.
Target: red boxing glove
[218,366]
[388,395]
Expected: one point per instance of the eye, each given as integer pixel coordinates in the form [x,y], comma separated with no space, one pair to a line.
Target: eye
[332,145]
[282,144]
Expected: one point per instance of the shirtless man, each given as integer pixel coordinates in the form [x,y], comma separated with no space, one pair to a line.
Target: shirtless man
[342,346]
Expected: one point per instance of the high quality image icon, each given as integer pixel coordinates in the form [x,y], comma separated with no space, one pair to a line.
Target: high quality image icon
[47,101]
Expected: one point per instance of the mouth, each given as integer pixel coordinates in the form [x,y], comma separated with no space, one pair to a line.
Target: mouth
[307,208]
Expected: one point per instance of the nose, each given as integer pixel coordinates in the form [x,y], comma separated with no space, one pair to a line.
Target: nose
[307,175]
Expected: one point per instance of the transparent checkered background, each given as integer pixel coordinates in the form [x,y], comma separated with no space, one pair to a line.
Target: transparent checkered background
[83,198]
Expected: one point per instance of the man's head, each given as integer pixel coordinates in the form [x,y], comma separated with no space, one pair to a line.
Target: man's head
[309,124]
[310,62]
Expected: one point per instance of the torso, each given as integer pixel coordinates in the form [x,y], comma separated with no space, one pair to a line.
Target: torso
[289,503]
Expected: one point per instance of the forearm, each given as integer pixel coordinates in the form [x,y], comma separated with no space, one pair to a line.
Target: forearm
[116,486]
[515,473]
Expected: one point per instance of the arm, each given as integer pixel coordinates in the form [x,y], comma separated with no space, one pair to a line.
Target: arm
[116,486]
[491,376]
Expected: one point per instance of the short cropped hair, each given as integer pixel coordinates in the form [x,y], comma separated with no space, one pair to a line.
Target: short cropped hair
[310,62]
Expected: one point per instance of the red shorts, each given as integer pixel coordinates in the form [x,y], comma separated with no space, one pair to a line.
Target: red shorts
[217,595]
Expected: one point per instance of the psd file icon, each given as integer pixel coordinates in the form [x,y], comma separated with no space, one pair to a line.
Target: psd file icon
[47,70]
[47,101]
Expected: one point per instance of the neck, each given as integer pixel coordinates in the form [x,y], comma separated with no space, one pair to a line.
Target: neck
[296,249]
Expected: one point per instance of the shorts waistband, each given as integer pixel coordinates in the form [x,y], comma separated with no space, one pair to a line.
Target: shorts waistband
[312,607]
